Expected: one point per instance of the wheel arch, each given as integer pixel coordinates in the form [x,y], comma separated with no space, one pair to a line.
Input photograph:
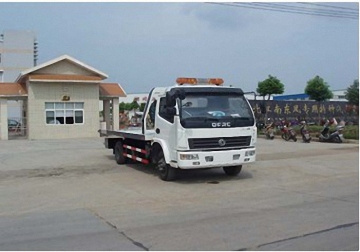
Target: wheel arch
[160,145]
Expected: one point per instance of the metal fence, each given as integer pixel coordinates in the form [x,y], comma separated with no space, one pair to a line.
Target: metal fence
[17,127]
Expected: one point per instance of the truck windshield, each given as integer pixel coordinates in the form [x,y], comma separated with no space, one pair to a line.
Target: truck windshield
[215,110]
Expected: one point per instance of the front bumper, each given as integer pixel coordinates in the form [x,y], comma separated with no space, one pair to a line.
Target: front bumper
[211,159]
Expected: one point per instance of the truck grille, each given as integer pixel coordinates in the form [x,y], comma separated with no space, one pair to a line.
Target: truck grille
[219,142]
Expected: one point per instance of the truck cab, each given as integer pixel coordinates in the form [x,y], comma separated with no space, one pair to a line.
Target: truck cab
[197,124]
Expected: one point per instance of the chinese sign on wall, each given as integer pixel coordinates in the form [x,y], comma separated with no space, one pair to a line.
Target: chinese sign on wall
[306,109]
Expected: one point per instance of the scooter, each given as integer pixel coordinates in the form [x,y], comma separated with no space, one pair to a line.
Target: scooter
[270,131]
[305,133]
[287,132]
[335,136]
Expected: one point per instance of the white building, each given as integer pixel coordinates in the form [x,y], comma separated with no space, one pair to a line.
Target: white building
[339,95]
[18,52]
[61,100]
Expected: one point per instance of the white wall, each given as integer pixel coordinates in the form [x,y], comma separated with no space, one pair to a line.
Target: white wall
[39,93]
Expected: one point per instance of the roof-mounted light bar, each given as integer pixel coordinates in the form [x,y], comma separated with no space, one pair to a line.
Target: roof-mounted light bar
[199,81]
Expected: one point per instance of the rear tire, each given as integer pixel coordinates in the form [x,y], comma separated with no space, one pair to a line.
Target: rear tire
[119,153]
[165,171]
[232,170]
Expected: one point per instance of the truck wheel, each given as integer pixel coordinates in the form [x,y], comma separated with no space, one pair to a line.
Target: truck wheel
[165,171]
[232,170]
[119,157]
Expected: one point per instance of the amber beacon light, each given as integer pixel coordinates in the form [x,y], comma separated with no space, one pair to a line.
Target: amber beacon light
[199,81]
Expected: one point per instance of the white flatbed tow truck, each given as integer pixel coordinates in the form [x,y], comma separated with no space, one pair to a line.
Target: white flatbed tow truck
[195,124]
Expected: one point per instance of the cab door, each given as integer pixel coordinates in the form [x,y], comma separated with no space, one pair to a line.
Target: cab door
[149,116]
[165,129]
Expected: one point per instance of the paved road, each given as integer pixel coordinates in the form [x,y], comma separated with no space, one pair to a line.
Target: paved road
[70,195]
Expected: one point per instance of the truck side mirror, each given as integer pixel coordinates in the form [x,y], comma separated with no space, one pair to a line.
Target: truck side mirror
[172,95]
[180,94]
[170,100]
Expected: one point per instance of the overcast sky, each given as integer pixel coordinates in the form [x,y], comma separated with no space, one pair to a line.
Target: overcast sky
[143,45]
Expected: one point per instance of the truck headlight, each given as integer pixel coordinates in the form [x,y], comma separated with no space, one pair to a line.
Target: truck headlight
[189,156]
[249,153]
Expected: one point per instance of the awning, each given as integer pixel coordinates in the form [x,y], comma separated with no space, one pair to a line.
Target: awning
[12,90]
[111,90]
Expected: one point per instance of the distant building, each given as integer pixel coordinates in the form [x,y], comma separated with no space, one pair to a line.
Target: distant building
[139,97]
[18,52]
[338,95]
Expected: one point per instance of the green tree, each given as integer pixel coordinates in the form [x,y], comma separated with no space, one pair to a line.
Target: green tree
[122,107]
[142,107]
[318,90]
[135,105]
[128,107]
[352,94]
[271,85]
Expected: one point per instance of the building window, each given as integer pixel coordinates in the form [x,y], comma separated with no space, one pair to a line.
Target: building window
[64,112]
[1,75]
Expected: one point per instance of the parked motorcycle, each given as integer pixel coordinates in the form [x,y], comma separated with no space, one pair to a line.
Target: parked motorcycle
[335,136]
[270,131]
[287,132]
[304,132]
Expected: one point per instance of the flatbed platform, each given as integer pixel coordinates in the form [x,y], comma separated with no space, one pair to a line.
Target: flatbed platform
[131,132]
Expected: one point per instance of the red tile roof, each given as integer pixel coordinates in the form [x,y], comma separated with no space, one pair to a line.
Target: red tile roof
[9,89]
[111,90]
[12,89]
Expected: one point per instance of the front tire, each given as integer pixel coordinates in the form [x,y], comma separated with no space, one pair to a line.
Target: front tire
[307,140]
[285,136]
[232,170]
[119,153]
[165,171]
[337,139]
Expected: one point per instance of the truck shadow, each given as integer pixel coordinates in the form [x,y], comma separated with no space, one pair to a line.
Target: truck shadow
[210,176]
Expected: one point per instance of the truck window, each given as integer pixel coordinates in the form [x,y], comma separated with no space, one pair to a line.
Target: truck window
[150,118]
[162,111]
[206,110]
